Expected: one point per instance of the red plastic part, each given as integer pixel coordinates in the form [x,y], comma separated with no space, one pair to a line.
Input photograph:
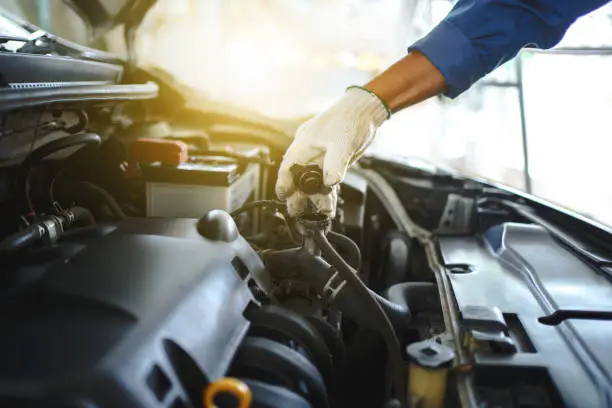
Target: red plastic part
[143,151]
[170,152]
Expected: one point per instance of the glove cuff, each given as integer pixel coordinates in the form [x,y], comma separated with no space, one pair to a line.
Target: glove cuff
[367,103]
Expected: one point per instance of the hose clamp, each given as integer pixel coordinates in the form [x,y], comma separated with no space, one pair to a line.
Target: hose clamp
[53,229]
[330,292]
[69,218]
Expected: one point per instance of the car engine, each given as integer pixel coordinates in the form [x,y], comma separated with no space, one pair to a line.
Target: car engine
[147,263]
[148,271]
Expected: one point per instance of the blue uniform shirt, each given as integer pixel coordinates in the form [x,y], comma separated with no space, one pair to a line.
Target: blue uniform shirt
[477,36]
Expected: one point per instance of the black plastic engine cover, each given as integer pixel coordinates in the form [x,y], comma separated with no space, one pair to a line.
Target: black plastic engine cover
[136,318]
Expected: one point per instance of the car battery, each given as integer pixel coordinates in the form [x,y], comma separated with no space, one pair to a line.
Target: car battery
[201,184]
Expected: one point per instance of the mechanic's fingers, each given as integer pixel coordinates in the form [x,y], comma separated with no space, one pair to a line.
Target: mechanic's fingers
[325,204]
[297,203]
[335,163]
[300,154]
[284,182]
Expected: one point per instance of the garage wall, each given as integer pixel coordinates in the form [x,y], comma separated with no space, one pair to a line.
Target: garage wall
[568,100]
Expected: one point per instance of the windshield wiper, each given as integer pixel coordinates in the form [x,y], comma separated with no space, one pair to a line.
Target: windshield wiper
[39,41]
[7,38]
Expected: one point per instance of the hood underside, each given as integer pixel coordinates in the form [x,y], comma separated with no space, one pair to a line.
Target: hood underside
[104,15]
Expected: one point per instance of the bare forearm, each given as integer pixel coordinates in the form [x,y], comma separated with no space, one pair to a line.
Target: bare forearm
[407,82]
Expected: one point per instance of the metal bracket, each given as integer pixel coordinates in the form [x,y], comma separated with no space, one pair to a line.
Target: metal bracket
[329,293]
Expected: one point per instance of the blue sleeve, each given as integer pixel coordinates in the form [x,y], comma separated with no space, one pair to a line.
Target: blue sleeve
[479,35]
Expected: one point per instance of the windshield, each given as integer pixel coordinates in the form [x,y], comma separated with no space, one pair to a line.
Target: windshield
[283,59]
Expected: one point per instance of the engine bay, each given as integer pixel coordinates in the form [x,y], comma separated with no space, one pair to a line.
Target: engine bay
[147,263]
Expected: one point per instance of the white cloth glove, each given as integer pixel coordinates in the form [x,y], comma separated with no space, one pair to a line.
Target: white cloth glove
[333,140]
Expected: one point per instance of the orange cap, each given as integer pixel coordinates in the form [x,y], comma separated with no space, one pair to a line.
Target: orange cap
[229,385]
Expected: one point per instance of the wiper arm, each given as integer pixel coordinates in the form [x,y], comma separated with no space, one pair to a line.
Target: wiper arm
[38,42]
[41,42]
[7,38]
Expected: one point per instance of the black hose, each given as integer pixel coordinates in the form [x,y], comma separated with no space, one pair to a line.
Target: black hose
[82,217]
[22,239]
[81,125]
[253,205]
[108,199]
[44,151]
[399,315]
[413,296]
[347,301]
[349,246]
[34,233]
[384,326]
[258,239]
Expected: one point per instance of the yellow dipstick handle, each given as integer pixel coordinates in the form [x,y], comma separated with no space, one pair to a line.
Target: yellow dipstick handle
[228,385]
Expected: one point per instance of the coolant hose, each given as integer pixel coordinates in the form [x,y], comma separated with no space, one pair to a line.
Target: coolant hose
[44,151]
[413,296]
[30,235]
[399,314]
[95,190]
[349,303]
[22,239]
[348,246]
[82,217]
[380,318]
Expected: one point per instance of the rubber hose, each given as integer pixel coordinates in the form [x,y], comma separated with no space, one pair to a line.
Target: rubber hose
[108,199]
[382,322]
[82,216]
[399,314]
[351,305]
[253,205]
[22,239]
[349,246]
[258,239]
[81,125]
[44,151]
[413,296]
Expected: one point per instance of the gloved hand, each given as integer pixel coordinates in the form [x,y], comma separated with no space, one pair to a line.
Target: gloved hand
[333,140]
